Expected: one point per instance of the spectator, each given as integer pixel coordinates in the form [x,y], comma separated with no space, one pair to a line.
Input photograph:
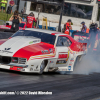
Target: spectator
[84,28]
[16,19]
[93,35]
[22,12]
[31,21]
[3,5]
[11,3]
[67,27]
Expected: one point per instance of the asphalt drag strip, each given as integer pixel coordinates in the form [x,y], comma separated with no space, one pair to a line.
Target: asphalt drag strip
[65,87]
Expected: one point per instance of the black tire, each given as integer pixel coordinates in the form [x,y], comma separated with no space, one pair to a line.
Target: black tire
[76,62]
[42,66]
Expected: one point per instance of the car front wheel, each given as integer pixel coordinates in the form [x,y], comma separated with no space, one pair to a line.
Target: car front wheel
[42,66]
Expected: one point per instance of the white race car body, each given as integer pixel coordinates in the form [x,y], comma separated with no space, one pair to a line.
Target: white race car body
[31,53]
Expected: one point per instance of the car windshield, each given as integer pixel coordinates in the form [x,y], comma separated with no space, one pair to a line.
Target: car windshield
[47,38]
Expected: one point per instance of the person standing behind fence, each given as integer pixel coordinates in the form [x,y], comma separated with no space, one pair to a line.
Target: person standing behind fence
[84,28]
[11,3]
[3,5]
[67,27]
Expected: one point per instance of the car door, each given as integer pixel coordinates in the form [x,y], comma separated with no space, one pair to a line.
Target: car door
[62,51]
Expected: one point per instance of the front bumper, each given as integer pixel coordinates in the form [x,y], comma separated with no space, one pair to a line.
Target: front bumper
[12,64]
[15,67]
[18,65]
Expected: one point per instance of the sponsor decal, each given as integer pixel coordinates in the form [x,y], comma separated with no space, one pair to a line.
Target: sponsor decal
[61,62]
[69,68]
[6,50]
[34,41]
[62,69]
[70,64]
[42,51]
[72,60]
[45,51]
[31,42]
[51,61]
[73,53]
[30,22]
[44,56]
[51,50]
[19,69]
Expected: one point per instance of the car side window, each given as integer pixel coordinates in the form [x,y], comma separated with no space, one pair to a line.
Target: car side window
[63,41]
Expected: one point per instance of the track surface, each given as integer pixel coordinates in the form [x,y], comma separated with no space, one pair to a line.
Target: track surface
[63,87]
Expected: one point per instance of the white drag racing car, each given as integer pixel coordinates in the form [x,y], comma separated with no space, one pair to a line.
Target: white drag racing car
[38,51]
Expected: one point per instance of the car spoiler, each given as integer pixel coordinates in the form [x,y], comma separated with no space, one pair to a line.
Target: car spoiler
[78,33]
[81,36]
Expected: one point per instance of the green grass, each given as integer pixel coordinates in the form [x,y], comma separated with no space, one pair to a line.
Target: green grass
[3,16]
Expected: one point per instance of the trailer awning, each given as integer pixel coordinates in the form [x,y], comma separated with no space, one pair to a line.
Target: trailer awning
[52,2]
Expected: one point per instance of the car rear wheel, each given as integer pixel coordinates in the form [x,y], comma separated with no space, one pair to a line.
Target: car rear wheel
[77,61]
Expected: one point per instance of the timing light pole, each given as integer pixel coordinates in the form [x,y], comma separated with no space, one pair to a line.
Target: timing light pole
[62,6]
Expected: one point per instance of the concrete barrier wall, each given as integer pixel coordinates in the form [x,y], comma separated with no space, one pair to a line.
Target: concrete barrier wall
[5,35]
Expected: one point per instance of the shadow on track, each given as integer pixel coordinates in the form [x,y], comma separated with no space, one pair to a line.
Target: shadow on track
[31,74]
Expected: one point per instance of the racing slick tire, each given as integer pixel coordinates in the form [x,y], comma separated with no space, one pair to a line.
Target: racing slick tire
[77,61]
[42,66]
